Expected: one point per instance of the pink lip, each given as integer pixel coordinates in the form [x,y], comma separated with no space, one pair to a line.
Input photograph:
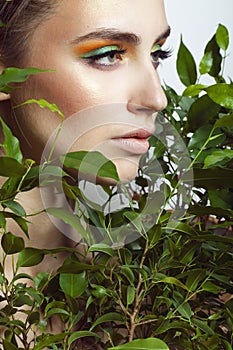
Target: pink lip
[135,142]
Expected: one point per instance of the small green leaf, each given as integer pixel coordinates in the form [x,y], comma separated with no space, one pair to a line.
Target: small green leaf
[222,37]
[142,344]
[69,218]
[224,122]
[103,248]
[130,295]
[128,273]
[221,94]
[30,257]
[11,143]
[220,156]
[203,326]
[50,340]
[194,278]
[109,317]
[73,284]
[186,66]
[80,334]
[44,104]
[2,220]
[194,90]
[15,207]
[12,244]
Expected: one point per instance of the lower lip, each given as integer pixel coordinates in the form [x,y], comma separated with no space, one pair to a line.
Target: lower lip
[132,145]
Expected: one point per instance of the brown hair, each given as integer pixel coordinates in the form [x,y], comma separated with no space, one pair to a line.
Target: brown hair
[18,20]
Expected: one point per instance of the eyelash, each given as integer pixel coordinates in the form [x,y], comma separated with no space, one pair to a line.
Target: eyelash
[160,55]
[93,60]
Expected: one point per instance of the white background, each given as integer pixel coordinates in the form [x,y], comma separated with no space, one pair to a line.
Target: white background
[197,21]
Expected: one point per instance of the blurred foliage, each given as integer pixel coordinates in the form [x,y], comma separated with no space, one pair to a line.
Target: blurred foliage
[160,270]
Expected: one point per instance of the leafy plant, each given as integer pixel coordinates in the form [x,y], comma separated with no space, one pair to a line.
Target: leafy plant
[157,273]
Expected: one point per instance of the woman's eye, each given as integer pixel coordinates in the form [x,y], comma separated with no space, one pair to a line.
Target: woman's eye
[158,55]
[104,56]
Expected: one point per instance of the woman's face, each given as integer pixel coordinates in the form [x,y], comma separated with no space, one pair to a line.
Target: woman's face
[105,55]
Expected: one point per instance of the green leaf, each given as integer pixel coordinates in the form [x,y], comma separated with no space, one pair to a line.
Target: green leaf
[80,334]
[203,110]
[69,218]
[109,317]
[220,156]
[186,66]
[211,287]
[222,37]
[2,220]
[203,326]
[90,163]
[194,90]
[45,104]
[130,295]
[11,143]
[206,63]
[212,49]
[12,244]
[221,94]
[213,178]
[8,345]
[128,273]
[16,75]
[103,248]
[142,344]
[224,122]
[73,284]
[49,341]
[194,278]
[30,257]
[10,167]
[15,207]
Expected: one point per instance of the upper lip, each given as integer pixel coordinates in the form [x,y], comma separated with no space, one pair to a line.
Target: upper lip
[138,133]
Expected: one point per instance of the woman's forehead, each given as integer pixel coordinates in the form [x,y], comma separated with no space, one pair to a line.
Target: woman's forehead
[79,18]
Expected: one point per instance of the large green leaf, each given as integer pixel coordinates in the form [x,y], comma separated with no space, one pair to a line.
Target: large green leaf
[212,49]
[10,167]
[213,178]
[142,344]
[73,284]
[90,163]
[186,66]
[221,94]
[30,257]
[16,75]
[201,111]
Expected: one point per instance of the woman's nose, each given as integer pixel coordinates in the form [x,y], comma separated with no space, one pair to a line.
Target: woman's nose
[147,93]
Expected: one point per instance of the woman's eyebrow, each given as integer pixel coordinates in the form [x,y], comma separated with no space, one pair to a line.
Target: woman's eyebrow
[164,35]
[109,34]
[116,35]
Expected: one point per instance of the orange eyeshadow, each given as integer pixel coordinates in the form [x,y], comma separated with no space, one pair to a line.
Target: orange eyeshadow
[81,49]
